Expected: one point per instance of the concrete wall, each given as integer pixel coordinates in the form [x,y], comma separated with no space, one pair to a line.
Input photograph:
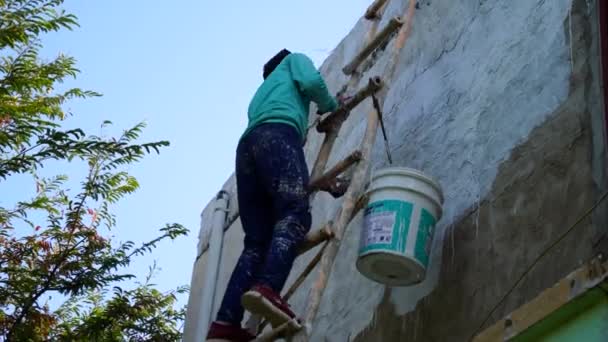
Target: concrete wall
[500,101]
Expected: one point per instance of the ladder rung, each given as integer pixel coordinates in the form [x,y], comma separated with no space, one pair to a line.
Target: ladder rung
[324,182]
[393,25]
[336,118]
[372,10]
[314,238]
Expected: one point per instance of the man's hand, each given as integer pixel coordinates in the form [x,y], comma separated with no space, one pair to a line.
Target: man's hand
[343,99]
[339,187]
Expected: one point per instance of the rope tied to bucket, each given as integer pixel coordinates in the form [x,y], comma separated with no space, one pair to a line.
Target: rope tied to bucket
[381,120]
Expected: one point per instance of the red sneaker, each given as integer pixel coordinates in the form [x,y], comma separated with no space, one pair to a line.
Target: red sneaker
[263,301]
[228,333]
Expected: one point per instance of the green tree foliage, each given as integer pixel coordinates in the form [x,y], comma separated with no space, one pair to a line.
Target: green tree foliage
[65,253]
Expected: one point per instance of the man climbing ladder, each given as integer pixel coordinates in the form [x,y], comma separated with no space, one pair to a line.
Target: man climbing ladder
[272,180]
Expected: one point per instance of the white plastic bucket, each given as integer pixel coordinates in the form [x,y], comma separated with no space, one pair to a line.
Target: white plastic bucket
[399,225]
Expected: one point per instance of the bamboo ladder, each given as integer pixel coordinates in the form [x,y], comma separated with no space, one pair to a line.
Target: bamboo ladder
[354,199]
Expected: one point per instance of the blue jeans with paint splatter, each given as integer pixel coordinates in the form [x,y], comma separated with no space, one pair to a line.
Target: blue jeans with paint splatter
[272,180]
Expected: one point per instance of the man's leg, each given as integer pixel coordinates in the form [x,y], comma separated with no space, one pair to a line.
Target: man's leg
[286,177]
[255,214]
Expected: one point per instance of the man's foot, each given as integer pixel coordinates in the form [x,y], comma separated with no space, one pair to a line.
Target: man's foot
[219,332]
[262,300]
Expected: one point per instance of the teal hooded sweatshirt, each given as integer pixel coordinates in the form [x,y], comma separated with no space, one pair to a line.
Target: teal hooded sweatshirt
[285,95]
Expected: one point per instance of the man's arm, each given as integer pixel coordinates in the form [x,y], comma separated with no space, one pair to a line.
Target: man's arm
[311,83]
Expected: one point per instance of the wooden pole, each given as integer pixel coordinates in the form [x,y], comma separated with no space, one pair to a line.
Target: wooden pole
[323,156]
[311,266]
[393,25]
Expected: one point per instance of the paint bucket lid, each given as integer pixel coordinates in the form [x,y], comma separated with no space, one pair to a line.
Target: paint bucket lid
[390,268]
[411,173]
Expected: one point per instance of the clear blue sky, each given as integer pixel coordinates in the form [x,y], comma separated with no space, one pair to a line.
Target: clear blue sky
[188,68]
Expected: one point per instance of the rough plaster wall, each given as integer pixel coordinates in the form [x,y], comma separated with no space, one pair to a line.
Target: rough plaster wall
[538,193]
[473,81]
[497,100]
[547,181]
[500,70]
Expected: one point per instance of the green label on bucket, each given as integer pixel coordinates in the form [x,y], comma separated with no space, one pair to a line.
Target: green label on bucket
[386,226]
[424,238]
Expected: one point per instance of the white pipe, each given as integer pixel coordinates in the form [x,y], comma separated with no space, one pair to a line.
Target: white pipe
[214,253]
